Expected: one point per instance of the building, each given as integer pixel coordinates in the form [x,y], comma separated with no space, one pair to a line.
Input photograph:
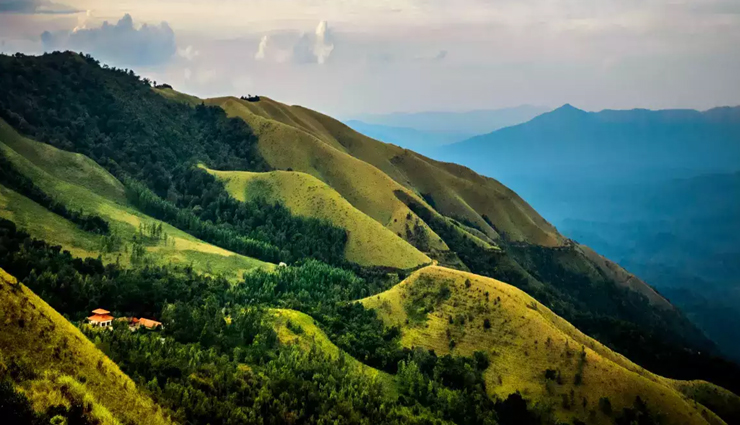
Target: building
[147,323]
[100,318]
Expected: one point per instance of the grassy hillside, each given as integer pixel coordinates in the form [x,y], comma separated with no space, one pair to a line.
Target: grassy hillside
[285,144]
[80,183]
[52,363]
[532,350]
[294,327]
[369,243]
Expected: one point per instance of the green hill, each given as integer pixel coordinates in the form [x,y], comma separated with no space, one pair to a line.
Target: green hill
[369,243]
[456,312]
[162,178]
[53,364]
[80,183]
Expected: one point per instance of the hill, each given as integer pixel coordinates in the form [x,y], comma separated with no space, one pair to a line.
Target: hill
[471,122]
[532,350]
[81,184]
[153,140]
[488,227]
[452,191]
[53,364]
[369,243]
[607,144]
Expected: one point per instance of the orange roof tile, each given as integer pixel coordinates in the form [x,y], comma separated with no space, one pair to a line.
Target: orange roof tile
[100,318]
[149,323]
[100,311]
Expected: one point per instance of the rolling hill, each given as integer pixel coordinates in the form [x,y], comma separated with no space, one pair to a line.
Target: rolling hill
[532,350]
[349,217]
[80,183]
[53,364]
[369,243]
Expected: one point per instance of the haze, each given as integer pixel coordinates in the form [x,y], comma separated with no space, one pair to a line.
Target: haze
[352,57]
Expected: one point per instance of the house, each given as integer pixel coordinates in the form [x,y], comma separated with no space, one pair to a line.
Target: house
[147,323]
[100,318]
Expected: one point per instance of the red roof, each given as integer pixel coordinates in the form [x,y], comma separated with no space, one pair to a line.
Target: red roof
[100,318]
[100,311]
[149,323]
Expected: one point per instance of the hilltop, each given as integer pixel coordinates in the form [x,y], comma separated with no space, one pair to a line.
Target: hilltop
[534,351]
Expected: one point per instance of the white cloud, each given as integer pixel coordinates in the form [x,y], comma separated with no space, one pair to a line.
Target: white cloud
[262,49]
[323,44]
[121,44]
[188,53]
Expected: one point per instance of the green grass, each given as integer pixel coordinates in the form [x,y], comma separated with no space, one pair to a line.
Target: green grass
[523,341]
[56,364]
[369,243]
[80,183]
[285,146]
[304,333]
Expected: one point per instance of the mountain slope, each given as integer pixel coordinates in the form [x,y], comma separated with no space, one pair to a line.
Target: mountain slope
[368,189]
[454,192]
[369,243]
[471,122]
[608,143]
[451,311]
[53,363]
[80,183]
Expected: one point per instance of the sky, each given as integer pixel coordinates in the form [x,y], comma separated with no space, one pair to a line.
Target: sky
[350,57]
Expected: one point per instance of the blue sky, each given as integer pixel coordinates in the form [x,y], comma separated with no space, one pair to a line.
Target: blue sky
[350,56]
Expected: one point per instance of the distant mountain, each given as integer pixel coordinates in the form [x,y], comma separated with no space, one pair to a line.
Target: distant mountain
[607,144]
[469,122]
[422,141]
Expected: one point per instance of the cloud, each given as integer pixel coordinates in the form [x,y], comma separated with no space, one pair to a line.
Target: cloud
[188,53]
[306,48]
[121,44]
[262,49]
[323,44]
[35,6]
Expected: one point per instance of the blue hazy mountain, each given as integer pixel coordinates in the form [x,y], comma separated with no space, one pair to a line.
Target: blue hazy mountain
[410,138]
[427,130]
[609,144]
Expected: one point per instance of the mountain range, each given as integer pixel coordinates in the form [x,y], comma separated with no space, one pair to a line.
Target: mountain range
[304,273]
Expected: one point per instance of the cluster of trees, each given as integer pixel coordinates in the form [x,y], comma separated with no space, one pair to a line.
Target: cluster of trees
[115,118]
[213,327]
[12,179]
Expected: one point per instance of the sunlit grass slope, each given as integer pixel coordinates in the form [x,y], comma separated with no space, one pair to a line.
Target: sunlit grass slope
[369,243]
[294,327]
[52,363]
[80,183]
[446,310]
[287,146]
[457,191]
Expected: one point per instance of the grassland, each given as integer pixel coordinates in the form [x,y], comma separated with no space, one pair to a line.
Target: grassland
[368,189]
[297,328]
[54,364]
[457,191]
[80,183]
[456,312]
[369,243]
